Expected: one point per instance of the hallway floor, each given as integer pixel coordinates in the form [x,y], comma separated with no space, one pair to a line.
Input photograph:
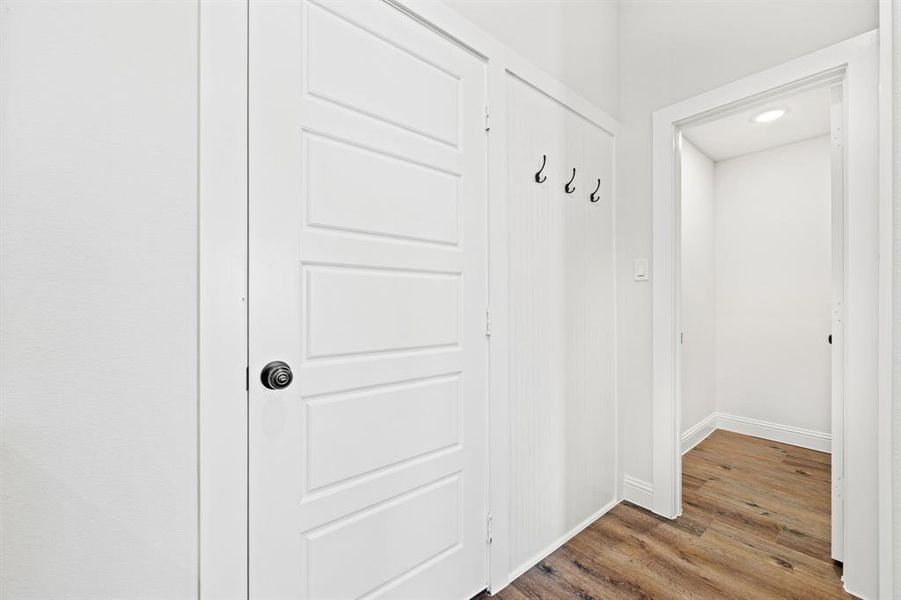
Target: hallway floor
[755,524]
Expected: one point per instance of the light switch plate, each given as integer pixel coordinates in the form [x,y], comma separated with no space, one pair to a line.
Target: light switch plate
[640,269]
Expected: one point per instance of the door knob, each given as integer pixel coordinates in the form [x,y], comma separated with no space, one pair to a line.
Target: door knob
[277,375]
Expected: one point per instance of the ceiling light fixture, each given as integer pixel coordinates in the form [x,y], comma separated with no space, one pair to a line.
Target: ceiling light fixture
[769,115]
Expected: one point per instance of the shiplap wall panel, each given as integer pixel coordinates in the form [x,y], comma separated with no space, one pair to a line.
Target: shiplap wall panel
[562,315]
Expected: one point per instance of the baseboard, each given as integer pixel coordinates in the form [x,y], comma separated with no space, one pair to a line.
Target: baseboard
[638,492]
[555,544]
[641,492]
[854,594]
[796,436]
[699,432]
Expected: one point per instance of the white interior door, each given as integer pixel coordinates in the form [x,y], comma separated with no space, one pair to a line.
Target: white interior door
[367,174]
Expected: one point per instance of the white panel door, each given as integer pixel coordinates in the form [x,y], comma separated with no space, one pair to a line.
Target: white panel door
[368,226]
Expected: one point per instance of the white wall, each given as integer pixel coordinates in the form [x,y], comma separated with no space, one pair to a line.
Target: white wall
[670,51]
[756,288]
[698,227]
[575,42]
[98,221]
[894,12]
[774,285]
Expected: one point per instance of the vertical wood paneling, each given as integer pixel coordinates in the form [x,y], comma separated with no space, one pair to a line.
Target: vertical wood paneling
[562,425]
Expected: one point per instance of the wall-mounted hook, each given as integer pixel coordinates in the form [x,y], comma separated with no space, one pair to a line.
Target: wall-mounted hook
[568,188]
[538,177]
[593,197]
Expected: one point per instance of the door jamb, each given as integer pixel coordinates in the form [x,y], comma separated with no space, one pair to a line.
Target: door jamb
[838,164]
[857,57]
[222,293]
[887,419]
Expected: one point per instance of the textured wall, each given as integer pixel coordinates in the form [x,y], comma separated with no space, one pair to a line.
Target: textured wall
[98,300]
[576,42]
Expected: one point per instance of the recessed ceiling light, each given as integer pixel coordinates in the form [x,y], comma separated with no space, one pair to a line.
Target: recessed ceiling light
[769,115]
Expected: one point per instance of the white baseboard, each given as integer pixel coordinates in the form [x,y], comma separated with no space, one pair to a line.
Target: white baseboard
[699,432]
[555,544]
[854,594]
[638,492]
[796,436]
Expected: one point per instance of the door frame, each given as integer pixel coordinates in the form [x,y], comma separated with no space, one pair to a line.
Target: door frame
[856,59]
[222,308]
[222,551]
[887,418]
[838,166]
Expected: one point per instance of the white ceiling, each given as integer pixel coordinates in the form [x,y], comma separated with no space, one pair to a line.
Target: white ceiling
[736,134]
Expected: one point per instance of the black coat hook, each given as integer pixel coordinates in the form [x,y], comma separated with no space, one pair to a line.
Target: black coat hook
[568,188]
[594,198]
[538,177]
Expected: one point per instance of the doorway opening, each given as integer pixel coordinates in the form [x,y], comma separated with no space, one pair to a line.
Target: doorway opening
[855,355]
[759,305]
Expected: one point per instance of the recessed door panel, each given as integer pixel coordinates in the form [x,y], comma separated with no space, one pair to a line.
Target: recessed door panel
[358,555]
[353,310]
[357,433]
[367,71]
[389,196]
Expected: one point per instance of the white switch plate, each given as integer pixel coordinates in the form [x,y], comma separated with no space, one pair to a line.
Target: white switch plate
[640,269]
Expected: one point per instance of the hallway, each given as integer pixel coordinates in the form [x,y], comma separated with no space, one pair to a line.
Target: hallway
[755,525]
[450,299]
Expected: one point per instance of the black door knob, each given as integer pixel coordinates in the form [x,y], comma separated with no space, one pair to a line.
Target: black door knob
[277,375]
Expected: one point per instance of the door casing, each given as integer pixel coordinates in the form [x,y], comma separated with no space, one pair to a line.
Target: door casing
[855,61]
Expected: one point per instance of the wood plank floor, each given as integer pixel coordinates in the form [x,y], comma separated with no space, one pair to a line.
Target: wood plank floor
[755,524]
